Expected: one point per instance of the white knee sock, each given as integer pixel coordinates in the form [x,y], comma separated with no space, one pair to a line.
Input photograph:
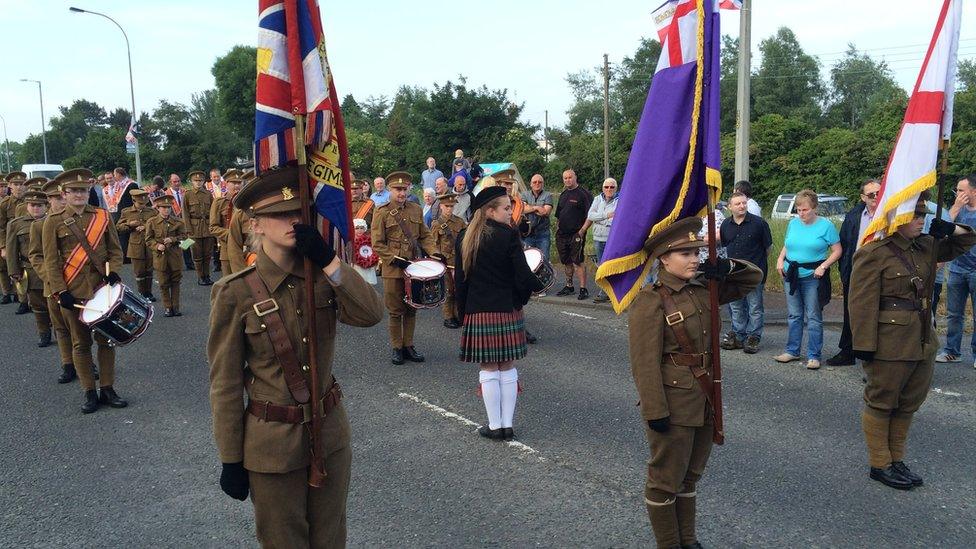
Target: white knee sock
[508,379]
[491,394]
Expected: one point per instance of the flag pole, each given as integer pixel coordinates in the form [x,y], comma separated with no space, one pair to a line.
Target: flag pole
[718,435]
[934,267]
[316,470]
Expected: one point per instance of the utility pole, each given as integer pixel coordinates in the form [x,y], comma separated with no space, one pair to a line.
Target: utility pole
[6,145]
[40,95]
[743,93]
[606,117]
[545,135]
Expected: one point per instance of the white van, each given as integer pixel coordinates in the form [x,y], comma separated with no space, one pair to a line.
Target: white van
[42,170]
[830,206]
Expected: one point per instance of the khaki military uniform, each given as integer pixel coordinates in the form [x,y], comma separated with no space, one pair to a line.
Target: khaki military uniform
[130,221]
[221,213]
[196,216]
[8,212]
[168,263]
[445,233]
[58,242]
[361,211]
[389,241]
[19,265]
[238,255]
[288,513]
[35,254]
[887,318]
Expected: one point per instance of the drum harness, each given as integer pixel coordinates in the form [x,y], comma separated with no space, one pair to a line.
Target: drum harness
[406,232]
[94,258]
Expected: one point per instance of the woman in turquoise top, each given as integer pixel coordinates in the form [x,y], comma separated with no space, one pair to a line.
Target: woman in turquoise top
[812,245]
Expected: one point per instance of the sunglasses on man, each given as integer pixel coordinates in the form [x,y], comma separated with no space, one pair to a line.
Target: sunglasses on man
[872,196]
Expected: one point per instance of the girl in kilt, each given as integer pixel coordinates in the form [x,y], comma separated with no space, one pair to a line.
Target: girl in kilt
[493,282]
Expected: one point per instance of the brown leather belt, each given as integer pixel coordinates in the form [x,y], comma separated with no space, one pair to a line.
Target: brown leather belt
[295,414]
[897,304]
[684,359]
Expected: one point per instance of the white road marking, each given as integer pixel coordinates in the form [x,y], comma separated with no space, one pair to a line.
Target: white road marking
[578,315]
[467,422]
[946,393]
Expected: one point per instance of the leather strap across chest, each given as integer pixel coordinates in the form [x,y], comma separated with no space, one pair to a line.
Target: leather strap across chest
[267,310]
[690,356]
[406,232]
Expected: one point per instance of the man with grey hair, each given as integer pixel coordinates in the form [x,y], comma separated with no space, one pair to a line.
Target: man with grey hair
[430,176]
[381,196]
[462,208]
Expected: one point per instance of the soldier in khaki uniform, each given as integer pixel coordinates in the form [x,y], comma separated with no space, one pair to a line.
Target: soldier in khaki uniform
[669,344]
[164,232]
[361,206]
[396,249]
[19,266]
[132,221]
[17,184]
[892,328]
[196,217]
[221,213]
[75,281]
[264,443]
[36,255]
[446,228]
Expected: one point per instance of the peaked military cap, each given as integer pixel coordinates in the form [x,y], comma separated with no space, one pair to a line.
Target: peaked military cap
[274,191]
[77,178]
[16,177]
[399,180]
[681,235]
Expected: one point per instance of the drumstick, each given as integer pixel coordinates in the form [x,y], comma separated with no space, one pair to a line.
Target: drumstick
[108,269]
[80,306]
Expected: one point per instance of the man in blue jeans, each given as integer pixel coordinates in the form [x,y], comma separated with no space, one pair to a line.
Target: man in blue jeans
[538,207]
[962,275]
[746,236]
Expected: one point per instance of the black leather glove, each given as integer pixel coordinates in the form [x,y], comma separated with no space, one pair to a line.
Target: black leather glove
[440,257]
[234,480]
[941,228]
[866,356]
[311,245]
[66,300]
[662,425]
[400,263]
[718,271]
[112,278]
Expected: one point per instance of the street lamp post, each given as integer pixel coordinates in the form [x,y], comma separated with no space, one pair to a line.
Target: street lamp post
[6,144]
[132,91]
[40,94]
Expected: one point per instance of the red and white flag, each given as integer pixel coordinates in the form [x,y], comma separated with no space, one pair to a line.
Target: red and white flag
[730,4]
[928,122]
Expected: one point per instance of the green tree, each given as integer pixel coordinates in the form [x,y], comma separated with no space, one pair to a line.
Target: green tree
[101,149]
[857,84]
[236,77]
[788,81]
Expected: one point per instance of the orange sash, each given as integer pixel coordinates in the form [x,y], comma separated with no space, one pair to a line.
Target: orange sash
[250,258]
[517,206]
[78,257]
[364,209]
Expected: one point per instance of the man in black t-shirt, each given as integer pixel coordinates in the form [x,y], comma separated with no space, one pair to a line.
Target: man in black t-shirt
[574,204]
[746,236]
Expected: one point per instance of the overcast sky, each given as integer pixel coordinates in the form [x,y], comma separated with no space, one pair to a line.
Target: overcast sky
[526,46]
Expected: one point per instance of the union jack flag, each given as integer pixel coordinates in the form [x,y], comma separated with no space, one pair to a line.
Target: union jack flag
[293,79]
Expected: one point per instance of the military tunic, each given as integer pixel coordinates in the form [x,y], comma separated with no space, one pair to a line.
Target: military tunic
[196,216]
[133,221]
[57,243]
[221,213]
[168,232]
[389,241]
[238,254]
[445,233]
[360,211]
[887,319]
[667,390]
[276,454]
[19,265]
[35,254]
[8,211]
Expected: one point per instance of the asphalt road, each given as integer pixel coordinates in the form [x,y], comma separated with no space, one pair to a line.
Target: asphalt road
[792,474]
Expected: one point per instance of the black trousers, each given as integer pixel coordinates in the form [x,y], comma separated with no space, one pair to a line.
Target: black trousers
[846,343]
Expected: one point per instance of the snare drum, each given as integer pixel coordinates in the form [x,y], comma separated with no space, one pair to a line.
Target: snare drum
[541,267]
[423,281]
[117,313]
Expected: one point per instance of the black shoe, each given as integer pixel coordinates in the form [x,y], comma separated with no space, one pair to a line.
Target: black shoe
[411,354]
[602,298]
[207,281]
[44,340]
[730,342]
[67,373]
[152,298]
[494,434]
[108,396]
[841,359]
[201,282]
[168,312]
[15,298]
[751,346]
[905,472]
[567,290]
[529,338]
[6,300]
[890,477]
[176,312]
[22,309]
[695,545]
[397,357]
[584,293]
[452,323]
[91,402]
[216,268]
[508,433]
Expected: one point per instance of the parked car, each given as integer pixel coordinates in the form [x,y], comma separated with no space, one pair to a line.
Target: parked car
[830,206]
[42,170]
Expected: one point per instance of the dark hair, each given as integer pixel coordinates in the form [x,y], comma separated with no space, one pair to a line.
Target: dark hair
[736,194]
[121,171]
[925,195]
[971,179]
[158,180]
[868,182]
[743,187]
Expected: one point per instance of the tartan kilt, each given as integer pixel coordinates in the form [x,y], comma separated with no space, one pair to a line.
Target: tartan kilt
[493,337]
